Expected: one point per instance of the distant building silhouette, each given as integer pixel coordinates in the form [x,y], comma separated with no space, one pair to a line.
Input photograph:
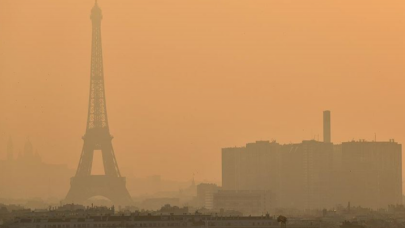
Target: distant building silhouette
[28,153]
[205,195]
[296,173]
[248,202]
[187,195]
[254,167]
[372,173]
[316,175]
[306,175]
[27,176]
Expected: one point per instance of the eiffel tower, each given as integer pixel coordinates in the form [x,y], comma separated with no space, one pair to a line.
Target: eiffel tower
[97,138]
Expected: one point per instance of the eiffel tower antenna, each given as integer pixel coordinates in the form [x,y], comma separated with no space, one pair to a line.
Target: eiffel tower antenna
[97,137]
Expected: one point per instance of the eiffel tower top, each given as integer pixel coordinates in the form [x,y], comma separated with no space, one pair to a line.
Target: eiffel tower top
[96,14]
[97,114]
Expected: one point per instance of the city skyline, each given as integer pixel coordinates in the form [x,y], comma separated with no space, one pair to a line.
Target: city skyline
[227,93]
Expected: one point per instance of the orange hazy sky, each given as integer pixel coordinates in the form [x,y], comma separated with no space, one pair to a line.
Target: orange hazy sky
[185,78]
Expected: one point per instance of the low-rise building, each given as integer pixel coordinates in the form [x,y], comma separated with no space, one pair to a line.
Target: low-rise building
[248,202]
[151,221]
[205,195]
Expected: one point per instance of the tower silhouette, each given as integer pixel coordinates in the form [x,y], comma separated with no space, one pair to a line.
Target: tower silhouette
[97,137]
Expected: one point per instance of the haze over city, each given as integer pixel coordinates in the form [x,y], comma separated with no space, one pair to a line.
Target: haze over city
[184,79]
[202,114]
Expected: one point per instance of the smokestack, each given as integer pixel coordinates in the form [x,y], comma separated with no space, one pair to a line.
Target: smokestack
[326,127]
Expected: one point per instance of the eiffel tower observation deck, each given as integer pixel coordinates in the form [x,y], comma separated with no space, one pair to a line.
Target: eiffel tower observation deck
[84,185]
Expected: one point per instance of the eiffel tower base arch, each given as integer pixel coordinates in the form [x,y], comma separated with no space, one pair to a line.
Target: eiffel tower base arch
[85,187]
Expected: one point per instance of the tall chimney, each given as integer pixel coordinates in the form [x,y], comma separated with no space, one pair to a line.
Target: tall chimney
[326,126]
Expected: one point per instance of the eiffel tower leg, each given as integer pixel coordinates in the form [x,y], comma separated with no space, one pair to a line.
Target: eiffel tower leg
[86,159]
[77,194]
[110,167]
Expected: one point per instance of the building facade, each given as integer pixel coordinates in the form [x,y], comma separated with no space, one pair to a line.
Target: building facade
[205,195]
[372,173]
[245,168]
[316,175]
